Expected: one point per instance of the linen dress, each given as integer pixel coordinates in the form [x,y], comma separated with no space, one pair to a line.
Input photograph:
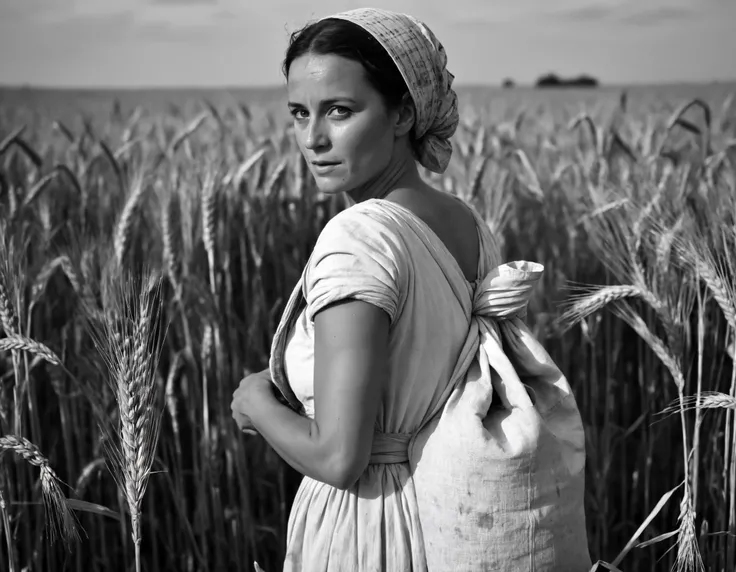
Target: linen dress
[382,253]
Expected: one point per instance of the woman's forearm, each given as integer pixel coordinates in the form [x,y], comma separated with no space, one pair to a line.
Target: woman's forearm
[296,439]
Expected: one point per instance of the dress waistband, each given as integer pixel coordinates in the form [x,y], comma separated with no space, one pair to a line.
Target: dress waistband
[390,448]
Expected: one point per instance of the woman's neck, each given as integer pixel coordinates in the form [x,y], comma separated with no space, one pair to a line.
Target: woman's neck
[401,171]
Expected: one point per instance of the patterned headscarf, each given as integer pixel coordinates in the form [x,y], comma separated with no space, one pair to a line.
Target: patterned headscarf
[422,61]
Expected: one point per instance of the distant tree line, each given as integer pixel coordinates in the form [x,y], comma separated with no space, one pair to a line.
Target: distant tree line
[553,80]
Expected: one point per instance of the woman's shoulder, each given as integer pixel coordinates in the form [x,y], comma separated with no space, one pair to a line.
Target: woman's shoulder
[367,222]
[371,211]
[358,255]
[361,239]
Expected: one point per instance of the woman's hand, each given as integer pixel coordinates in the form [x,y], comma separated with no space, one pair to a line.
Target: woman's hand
[250,389]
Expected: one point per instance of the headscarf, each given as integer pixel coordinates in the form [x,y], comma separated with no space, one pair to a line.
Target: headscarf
[422,61]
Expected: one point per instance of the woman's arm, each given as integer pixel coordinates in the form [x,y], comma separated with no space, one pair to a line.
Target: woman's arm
[350,371]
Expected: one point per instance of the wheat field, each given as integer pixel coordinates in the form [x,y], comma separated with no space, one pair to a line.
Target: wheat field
[149,241]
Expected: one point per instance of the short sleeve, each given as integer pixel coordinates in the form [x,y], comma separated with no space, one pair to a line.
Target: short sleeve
[356,256]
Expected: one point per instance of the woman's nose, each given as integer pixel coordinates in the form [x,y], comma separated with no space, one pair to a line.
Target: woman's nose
[315,136]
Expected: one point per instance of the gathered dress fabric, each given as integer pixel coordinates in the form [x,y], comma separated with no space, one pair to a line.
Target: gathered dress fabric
[479,452]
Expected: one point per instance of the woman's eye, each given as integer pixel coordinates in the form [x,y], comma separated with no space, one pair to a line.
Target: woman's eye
[341,111]
[337,111]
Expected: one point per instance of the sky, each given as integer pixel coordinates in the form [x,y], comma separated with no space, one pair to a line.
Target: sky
[233,43]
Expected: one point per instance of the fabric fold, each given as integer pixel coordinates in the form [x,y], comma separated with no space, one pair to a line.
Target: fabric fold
[390,448]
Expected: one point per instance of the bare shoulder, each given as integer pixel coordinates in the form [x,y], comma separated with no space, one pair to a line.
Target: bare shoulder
[434,206]
[450,219]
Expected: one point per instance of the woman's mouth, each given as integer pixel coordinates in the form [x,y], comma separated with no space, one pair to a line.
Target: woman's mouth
[324,167]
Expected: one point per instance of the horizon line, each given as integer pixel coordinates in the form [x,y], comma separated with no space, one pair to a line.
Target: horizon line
[269,87]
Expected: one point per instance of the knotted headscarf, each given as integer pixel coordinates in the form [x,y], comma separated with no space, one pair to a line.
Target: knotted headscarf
[422,61]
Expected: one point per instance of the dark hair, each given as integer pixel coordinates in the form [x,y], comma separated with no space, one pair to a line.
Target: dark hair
[346,39]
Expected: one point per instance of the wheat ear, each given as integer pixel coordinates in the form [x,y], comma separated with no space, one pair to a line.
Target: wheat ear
[16,342]
[124,227]
[42,279]
[60,516]
[7,315]
[168,220]
[274,181]
[209,206]
[688,552]
[585,305]
[718,288]
[130,346]
[704,400]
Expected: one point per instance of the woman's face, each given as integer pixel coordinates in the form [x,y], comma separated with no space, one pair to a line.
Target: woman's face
[342,125]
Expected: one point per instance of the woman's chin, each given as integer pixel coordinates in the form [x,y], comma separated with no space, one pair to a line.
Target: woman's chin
[329,187]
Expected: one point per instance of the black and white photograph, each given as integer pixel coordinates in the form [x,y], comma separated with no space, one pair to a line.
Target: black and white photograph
[383,286]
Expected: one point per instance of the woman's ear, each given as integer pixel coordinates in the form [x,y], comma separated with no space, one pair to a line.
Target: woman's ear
[406,116]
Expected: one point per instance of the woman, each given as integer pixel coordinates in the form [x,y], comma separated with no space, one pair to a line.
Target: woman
[401,351]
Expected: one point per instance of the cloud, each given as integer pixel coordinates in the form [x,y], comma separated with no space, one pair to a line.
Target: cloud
[184,2]
[506,11]
[149,22]
[589,13]
[163,33]
[51,13]
[20,10]
[633,12]
[660,15]
[189,24]
[629,12]
[177,12]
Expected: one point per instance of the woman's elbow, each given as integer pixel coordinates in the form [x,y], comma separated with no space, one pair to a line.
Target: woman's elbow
[344,472]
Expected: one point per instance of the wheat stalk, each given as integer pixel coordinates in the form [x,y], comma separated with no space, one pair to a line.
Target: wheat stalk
[71,274]
[300,175]
[8,533]
[274,181]
[585,305]
[42,278]
[247,165]
[86,474]
[637,230]
[704,400]
[18,342]
[596,137]
[34,191]
[188,131]
[7,316]
[10,139]
[58,513]
[531,179]
[479,143]
[688,553]
[171,260]
[664,244]
[208,341]
[170,395]
[124,227]
[131,346]
[723,295]
[477,177]
[209,205]
[671,362]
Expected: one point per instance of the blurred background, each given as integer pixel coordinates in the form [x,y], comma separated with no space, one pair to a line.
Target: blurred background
[151,138]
